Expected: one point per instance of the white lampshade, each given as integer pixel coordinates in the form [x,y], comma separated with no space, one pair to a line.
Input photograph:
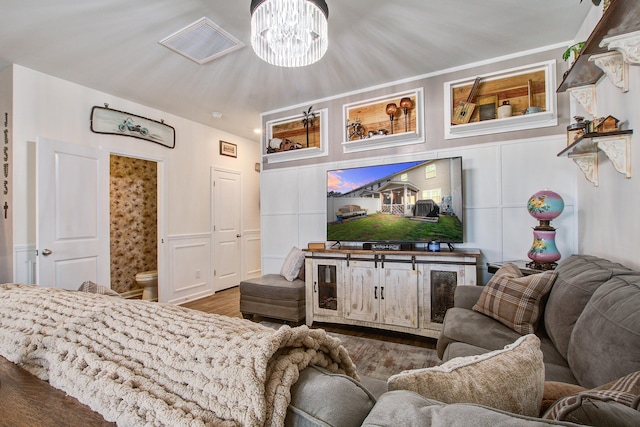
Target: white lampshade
[289,33]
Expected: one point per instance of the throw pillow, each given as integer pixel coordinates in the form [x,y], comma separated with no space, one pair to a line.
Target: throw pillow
[511,379]
[514,300]
[554,390]
[292,263]
[619,398]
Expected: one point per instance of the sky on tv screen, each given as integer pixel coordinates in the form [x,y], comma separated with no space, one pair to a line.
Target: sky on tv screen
[345,180]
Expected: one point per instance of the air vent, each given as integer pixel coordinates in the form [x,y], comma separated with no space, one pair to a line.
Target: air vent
[202,41]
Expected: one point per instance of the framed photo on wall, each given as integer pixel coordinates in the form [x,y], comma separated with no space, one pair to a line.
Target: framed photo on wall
[228,149]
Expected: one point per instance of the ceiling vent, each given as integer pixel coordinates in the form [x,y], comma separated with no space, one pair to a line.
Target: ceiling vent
[202,41]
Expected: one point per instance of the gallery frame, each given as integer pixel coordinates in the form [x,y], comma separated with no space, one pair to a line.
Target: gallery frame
[228,149]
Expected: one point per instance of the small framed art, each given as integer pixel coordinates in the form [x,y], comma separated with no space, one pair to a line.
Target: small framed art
[228,149]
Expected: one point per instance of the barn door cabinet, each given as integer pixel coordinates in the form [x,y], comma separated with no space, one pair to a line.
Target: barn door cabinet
[404,291]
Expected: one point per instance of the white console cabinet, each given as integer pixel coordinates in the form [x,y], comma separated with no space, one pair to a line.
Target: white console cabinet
[404,291]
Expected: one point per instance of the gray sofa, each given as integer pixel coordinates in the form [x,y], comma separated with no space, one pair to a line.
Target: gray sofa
[589,333]
[590,327]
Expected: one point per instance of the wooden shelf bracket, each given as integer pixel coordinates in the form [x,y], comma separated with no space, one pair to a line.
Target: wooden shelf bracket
[627,44]
[586,96]
[618,150]
[588,164]
[614,67]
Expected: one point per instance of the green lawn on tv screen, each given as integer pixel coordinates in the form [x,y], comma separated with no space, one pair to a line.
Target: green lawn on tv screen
[379,227]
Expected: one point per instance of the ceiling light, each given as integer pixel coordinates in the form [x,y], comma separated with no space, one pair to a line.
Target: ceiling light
[289,33]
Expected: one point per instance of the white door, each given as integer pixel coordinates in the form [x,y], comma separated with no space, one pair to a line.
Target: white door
[227,211]
[72,229]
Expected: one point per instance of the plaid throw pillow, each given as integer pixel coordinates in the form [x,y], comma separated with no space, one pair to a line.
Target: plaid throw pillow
[513,299]
[625,391]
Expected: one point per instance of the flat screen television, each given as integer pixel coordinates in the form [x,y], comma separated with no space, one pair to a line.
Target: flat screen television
[411,202]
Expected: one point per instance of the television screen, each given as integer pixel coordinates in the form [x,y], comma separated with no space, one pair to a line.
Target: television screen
[418,201]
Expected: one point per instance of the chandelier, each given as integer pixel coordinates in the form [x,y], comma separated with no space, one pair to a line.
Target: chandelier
[289,33]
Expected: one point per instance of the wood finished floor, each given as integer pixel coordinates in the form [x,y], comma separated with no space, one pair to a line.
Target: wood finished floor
[227,303]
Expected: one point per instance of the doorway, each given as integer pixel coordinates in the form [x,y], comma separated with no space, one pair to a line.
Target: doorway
[133,198]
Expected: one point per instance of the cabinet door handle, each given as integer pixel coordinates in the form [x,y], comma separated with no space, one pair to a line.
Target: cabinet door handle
[381,292]
[375,292]
[315,287]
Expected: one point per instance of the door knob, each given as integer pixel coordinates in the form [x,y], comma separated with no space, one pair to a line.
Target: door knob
[238,235]
[46,252]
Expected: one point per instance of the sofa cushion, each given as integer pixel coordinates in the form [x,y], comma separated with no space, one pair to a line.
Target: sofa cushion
[320,398]
[605,343]
[616,403]
[556,390]
[578,277]
[510,379]
[292,264]
[273,286]
[408,409]
[513,299]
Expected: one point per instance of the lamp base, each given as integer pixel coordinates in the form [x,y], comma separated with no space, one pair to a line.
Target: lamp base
[542,265]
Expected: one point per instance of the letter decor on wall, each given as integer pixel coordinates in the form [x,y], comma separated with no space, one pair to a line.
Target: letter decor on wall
[109,121]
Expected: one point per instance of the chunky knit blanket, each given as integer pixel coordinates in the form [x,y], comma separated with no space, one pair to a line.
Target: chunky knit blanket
[143,363]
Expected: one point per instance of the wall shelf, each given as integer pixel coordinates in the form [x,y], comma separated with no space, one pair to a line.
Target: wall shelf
[523,87]
[292,130]
[617,30]
[584,152]
[370,115]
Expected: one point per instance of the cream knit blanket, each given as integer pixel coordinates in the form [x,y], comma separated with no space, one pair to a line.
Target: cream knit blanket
[142,363]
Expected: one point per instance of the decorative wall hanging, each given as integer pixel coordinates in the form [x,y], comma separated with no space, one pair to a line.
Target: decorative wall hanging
[228,149]
[109,121]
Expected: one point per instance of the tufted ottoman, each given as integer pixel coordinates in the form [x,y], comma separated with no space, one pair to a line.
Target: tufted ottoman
[273,296]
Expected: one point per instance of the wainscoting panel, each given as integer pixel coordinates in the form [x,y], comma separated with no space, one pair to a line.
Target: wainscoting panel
[24,267]
[251,254]
[498,179]
[189,267]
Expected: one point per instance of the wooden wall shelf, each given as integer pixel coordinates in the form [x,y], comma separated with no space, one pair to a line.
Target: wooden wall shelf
[616,145]
[622,17]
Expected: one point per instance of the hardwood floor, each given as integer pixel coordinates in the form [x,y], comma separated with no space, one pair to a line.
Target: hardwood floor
[227,303]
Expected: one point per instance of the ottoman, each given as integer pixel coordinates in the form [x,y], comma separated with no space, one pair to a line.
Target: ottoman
[273,296]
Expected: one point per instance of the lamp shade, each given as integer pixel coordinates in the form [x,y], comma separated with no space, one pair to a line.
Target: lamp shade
[289,33]
[545,205]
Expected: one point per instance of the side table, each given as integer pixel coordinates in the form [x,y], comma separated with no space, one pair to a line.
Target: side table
[492,267]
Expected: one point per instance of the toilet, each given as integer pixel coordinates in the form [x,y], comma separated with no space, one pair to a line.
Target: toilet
[148,280]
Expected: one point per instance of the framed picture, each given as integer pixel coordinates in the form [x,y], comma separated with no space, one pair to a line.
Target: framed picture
[228,149]
[115,122]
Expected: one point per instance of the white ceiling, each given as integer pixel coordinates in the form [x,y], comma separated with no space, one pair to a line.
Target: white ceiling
[112,46]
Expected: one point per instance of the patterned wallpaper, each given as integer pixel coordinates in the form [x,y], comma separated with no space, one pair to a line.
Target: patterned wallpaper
[134,201]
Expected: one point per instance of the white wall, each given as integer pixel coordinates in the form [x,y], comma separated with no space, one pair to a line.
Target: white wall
[609,213]
[498,178]
[45,106]
[6,177]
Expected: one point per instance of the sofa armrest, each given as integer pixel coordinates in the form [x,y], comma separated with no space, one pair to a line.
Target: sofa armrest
[467,296]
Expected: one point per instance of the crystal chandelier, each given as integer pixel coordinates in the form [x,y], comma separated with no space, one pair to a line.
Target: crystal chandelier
[289,33]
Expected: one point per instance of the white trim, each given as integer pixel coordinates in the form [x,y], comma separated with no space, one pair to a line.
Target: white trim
[303,153]
[387,141]
[530,121]
[426,76]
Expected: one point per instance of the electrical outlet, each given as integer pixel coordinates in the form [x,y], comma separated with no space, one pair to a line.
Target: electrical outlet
[197,273]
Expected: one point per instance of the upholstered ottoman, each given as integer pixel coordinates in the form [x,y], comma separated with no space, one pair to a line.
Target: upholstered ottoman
[273,296]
